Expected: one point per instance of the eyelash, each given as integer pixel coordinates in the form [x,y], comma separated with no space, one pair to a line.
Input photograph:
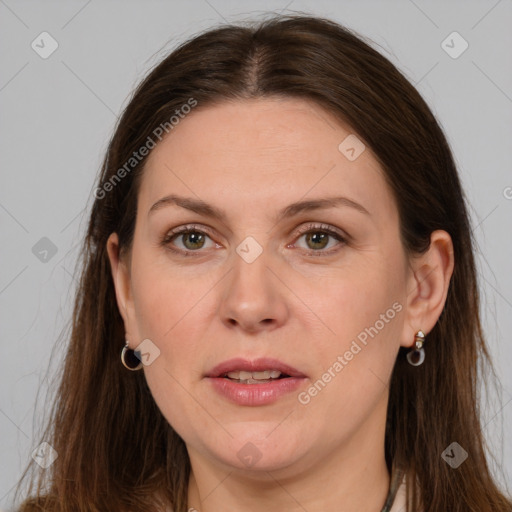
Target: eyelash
[309,228]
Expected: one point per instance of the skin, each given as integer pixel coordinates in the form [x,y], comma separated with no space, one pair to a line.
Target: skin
[252,158]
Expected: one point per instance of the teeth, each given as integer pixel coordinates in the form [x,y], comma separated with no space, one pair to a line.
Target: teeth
[241,375]
[255,381]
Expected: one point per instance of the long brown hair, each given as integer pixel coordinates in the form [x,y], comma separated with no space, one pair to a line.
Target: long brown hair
[116,450]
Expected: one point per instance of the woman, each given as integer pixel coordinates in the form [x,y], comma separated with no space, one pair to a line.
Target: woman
[278,308]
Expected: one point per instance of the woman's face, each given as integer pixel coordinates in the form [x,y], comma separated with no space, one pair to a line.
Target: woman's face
[321,288]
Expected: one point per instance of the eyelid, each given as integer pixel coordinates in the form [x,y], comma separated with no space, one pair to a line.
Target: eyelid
[189,227]
[320,226]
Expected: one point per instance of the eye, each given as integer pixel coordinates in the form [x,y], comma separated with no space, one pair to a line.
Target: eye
[191,239]
[317,237]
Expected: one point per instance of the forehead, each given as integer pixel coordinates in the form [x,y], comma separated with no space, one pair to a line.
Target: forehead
[250,152]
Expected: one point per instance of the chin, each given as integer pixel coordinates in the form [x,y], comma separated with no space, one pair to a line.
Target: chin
[260,449]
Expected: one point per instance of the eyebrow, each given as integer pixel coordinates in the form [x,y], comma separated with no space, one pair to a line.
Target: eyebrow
[202,208]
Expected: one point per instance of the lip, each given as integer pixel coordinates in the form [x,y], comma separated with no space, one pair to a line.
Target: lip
[257,365]
[254,394]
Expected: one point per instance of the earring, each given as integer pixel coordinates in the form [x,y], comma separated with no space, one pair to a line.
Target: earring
[130,359]
[416,355]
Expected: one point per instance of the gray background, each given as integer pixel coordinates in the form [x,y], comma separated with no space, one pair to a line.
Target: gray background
[58,113]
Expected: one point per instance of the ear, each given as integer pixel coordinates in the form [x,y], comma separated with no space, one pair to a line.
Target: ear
[122,283]
[427,288]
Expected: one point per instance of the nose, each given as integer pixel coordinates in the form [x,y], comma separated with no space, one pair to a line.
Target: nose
[254,298]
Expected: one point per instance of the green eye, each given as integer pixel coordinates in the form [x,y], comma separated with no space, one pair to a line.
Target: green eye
[193,239]
[318,239]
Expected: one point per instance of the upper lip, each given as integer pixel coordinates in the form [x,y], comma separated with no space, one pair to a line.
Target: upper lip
[256,365]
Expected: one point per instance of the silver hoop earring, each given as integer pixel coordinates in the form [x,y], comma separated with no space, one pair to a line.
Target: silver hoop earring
[130,359]
[416,355]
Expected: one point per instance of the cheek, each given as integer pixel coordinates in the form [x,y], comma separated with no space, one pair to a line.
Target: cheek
[358,302]
[165,296]
[167,313]
[171,311]
[361,313]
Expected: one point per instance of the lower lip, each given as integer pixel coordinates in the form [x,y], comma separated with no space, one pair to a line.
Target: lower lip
[255,394]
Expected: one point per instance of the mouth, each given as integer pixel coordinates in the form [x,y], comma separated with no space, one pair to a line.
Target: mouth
[259,370]
[243,377]
[258,382]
